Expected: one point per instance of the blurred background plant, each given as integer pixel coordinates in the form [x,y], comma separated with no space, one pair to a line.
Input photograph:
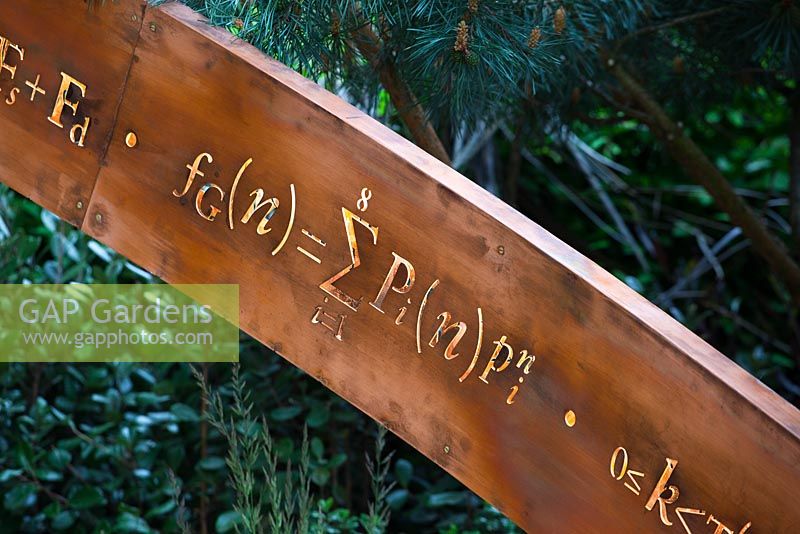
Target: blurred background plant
[660,138]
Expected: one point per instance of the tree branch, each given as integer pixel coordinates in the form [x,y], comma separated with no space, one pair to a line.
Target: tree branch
[409,108]
[620,105]
[696,165]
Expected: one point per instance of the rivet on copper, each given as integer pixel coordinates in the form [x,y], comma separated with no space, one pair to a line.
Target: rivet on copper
[569,418]
[131,140]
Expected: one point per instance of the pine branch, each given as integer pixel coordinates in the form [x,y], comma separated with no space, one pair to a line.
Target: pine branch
[672,23]
[409,108]
[696,164]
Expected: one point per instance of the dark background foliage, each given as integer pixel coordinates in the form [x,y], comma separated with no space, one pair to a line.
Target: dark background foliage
[602,121]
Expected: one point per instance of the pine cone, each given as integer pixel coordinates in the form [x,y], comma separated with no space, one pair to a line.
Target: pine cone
[534,38]
[462,38]
[472,5]
[560,20]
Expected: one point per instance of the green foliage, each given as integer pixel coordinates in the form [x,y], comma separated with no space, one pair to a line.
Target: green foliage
[485,79]
[476,83]
[697,266]
[698,54]
[377,520]
[269,499]
[261,500]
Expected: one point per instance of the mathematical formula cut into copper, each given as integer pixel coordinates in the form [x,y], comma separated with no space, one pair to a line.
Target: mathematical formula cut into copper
[12,57]
[666,495]
[212,201]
